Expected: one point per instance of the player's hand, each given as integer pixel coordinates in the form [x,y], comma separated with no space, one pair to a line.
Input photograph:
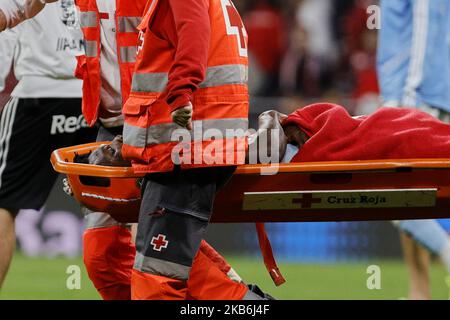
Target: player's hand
[282,117]
[183,116]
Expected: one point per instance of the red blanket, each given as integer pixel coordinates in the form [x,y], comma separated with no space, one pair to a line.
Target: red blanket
[389,133]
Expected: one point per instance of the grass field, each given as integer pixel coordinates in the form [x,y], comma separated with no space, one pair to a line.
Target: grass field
[42,278]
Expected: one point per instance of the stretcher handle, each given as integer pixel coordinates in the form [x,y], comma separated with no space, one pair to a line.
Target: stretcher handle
[348,166]
[62,162]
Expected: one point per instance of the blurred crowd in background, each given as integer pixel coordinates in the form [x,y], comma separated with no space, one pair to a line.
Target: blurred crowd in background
[303,51]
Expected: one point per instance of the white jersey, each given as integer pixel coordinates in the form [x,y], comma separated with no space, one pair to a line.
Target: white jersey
[110,94]
[43,50]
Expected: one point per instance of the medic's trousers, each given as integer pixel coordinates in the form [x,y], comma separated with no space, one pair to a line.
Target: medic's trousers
[174,214]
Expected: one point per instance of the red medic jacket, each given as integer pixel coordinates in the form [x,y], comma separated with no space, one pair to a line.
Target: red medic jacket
[191,51]
[128,16]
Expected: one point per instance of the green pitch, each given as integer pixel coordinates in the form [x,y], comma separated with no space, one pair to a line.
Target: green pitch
[42,278]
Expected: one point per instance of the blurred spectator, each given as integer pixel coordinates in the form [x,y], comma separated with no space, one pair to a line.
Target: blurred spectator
[359,50]
[312,50]
[340,12]
[300,71]
[363,63]
[308,65]
[354,25]
[267,33]
[314,16]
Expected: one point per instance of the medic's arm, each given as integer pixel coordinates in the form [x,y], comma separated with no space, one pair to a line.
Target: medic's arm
[12,12]
[193,32]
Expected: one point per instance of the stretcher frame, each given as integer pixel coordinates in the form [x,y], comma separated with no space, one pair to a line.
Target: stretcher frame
[297,192]
[425,182]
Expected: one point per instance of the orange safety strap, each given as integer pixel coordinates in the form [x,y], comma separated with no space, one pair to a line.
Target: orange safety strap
[267,253]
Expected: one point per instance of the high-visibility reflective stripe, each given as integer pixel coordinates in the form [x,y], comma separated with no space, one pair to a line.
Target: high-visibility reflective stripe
[125,24]
[169,132]
[88,19]
[149,82]
[215,76]
[160,267]
[227,74]
[128,24]
[91,48]
[128,54]
[96,220]
[250,295]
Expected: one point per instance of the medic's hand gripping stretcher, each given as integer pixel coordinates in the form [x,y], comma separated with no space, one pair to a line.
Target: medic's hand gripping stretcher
[298,192]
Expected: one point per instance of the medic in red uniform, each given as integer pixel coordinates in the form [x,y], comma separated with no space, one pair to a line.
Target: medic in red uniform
[108,250]
[190,82]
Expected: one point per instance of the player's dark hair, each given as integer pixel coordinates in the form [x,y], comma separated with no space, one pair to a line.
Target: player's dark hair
[81,158]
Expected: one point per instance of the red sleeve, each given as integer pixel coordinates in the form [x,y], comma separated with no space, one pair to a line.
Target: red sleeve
[193,30]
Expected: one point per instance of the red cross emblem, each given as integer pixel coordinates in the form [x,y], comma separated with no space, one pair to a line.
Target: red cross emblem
[159,242]
[235,26]
[307,200]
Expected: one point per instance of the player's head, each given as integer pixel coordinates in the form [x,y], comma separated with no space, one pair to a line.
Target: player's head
[295,135]
[105,155]
[109,154]
[292,133]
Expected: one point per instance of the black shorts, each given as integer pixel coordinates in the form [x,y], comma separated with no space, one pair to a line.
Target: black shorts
[30,129]
[174,214]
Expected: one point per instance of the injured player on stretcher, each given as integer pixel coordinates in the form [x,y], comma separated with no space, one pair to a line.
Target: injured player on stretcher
[326,132]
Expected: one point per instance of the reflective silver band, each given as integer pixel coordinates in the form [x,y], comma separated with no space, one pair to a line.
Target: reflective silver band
[149,82]
[169,132]
[96,220]
[249,295]
[128,24]
[215,76]
[226,74]
[91,49]
[160,267]
[88,19]
[128,54]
